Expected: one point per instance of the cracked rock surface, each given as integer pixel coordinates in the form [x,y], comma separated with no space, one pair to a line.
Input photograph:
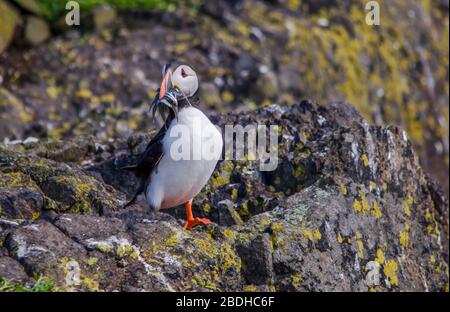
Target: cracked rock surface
[347,209]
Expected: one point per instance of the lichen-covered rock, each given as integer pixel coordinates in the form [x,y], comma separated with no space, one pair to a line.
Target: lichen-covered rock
[32,184]
[13,115]
[247,54]
[348,209]
[12,271]
[20,197]
[40,248]
[9,19]
[36,30]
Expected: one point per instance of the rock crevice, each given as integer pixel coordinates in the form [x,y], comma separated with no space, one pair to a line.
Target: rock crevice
[347,209]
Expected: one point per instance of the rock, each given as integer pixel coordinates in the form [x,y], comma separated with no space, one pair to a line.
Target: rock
[75,194]
[12,271]
[210,95]
[20,197]
[36,30]
[266,87]
[348,209]
[9,20]
[104,16]
[41,248]
[72,150]
[30,5]
[225,214]
[87,229]
[349,206]
[256,256]
[13,115]
[304,48]
[137,143]
[30,140]
[59,186]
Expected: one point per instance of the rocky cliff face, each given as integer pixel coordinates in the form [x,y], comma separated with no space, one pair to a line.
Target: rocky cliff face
[347,209]
[248,54]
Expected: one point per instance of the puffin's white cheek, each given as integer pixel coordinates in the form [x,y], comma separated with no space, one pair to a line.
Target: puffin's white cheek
[193,86]
[189,87]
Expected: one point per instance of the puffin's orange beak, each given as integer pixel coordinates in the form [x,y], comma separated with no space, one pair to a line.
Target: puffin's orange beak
[166,82]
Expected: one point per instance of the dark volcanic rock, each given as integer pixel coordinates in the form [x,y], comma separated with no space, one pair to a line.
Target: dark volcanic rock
[247,54]
[40,248]
[256,256]
[347,209]
[11,270]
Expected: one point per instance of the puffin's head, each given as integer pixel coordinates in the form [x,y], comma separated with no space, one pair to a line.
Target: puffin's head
[181,83]
[182,78]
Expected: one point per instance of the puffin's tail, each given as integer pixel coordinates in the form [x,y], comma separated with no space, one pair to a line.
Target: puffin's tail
[131,201]
[129,168]
[136,194]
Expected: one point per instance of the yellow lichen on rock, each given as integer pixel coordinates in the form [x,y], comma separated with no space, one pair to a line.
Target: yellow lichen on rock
[296,279]
[357,207]
[312,234]
[407,205]
[365,160]
[380,256]
[376,211]
[9,20]
[339,238]
[390,270]
[404,239]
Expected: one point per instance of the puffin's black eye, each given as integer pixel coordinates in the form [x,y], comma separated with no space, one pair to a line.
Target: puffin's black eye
[183,73]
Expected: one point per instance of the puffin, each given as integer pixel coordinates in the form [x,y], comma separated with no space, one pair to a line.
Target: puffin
[166,179]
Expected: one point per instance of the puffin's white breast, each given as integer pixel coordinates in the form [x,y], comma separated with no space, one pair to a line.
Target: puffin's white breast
[192,146]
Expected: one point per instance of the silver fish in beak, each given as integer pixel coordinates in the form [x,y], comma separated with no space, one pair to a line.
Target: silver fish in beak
[166,95]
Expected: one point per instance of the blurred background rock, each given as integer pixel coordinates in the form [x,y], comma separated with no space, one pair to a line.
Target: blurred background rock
[99,78]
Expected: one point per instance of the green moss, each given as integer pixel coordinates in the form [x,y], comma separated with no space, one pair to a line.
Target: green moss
[42,284]
[53,9]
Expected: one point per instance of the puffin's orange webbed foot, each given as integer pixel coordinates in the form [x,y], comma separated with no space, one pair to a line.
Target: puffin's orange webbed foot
[190,223]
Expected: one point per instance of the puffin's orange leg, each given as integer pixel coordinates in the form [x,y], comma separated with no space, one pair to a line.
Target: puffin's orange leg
[191,221]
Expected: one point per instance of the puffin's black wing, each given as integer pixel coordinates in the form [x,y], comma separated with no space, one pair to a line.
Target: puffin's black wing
[149,159]
[151,156]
